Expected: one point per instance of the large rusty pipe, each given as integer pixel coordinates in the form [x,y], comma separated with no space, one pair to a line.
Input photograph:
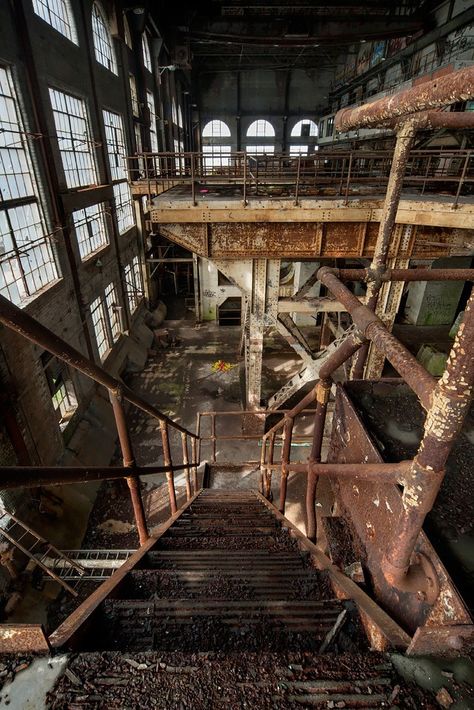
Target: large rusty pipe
[421,274]
[379,472]
[434,120]
[451,402]
[405,137]
[442,91]
[421,382]
[19,321]
[345,350]
[133,481]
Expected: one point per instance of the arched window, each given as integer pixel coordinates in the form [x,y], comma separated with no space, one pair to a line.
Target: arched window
[216,129]
[303,137]
[58,14]
[304,128]
[215,148]
[261,129]
[146,53]
[104,49]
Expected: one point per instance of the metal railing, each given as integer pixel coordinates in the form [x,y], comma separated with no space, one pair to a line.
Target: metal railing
[325,173]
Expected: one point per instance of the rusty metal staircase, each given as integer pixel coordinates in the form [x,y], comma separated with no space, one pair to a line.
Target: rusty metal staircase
[39,550]
[223,607]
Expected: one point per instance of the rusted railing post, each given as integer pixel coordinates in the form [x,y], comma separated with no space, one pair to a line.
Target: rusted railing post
[193,177]
[133,482]
[461,181]
[451,400]
[405,138]
[285,460]
[184,441]
[268,472]
[263,457]
[245,181]
[195,464]
[323,390]
[168,462]
[213,438]
[297,186]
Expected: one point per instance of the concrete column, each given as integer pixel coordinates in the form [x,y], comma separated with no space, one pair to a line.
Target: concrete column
[435,302]
[303,270]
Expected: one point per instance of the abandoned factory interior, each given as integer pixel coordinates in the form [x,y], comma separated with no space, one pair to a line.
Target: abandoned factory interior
[236,354]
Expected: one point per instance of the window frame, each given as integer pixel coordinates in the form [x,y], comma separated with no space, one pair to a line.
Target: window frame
[70,24]
[63,118]
[100,20]
[86,220]
[27,266]
[133,280]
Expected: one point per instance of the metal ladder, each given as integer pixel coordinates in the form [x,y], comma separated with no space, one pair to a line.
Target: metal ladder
[97,565]
[37,548]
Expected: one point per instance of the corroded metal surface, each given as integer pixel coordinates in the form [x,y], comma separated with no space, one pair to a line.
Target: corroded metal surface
[373,510]
[23,638]
[241,239]
[442,91]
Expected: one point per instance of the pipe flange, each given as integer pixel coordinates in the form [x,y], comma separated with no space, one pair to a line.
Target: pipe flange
[420,578]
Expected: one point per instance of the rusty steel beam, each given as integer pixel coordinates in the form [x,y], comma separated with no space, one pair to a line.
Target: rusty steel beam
[35,476]
[421,274]
[442,91]
[415,375]
[19,321]
[450,404]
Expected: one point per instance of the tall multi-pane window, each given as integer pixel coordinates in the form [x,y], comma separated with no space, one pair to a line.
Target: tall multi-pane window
[116,148]
[105,314]
[58,14]
[116,151]
[123,206]
[103,45]
[74,139]
[127,33]
[146,53]
[150,100]
[113,311]
[99,323]
[27,257]
[133,284]
[134,95]
[61,386]
[91,229]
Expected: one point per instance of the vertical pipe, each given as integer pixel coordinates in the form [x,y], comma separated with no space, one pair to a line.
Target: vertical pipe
[451,400]
[323,389]
[297,180]
[348,178]
[193,179]
[184,442]
[195,464]
[405,138]
[285,460]
[245,180]
[133,482]
[167,461]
